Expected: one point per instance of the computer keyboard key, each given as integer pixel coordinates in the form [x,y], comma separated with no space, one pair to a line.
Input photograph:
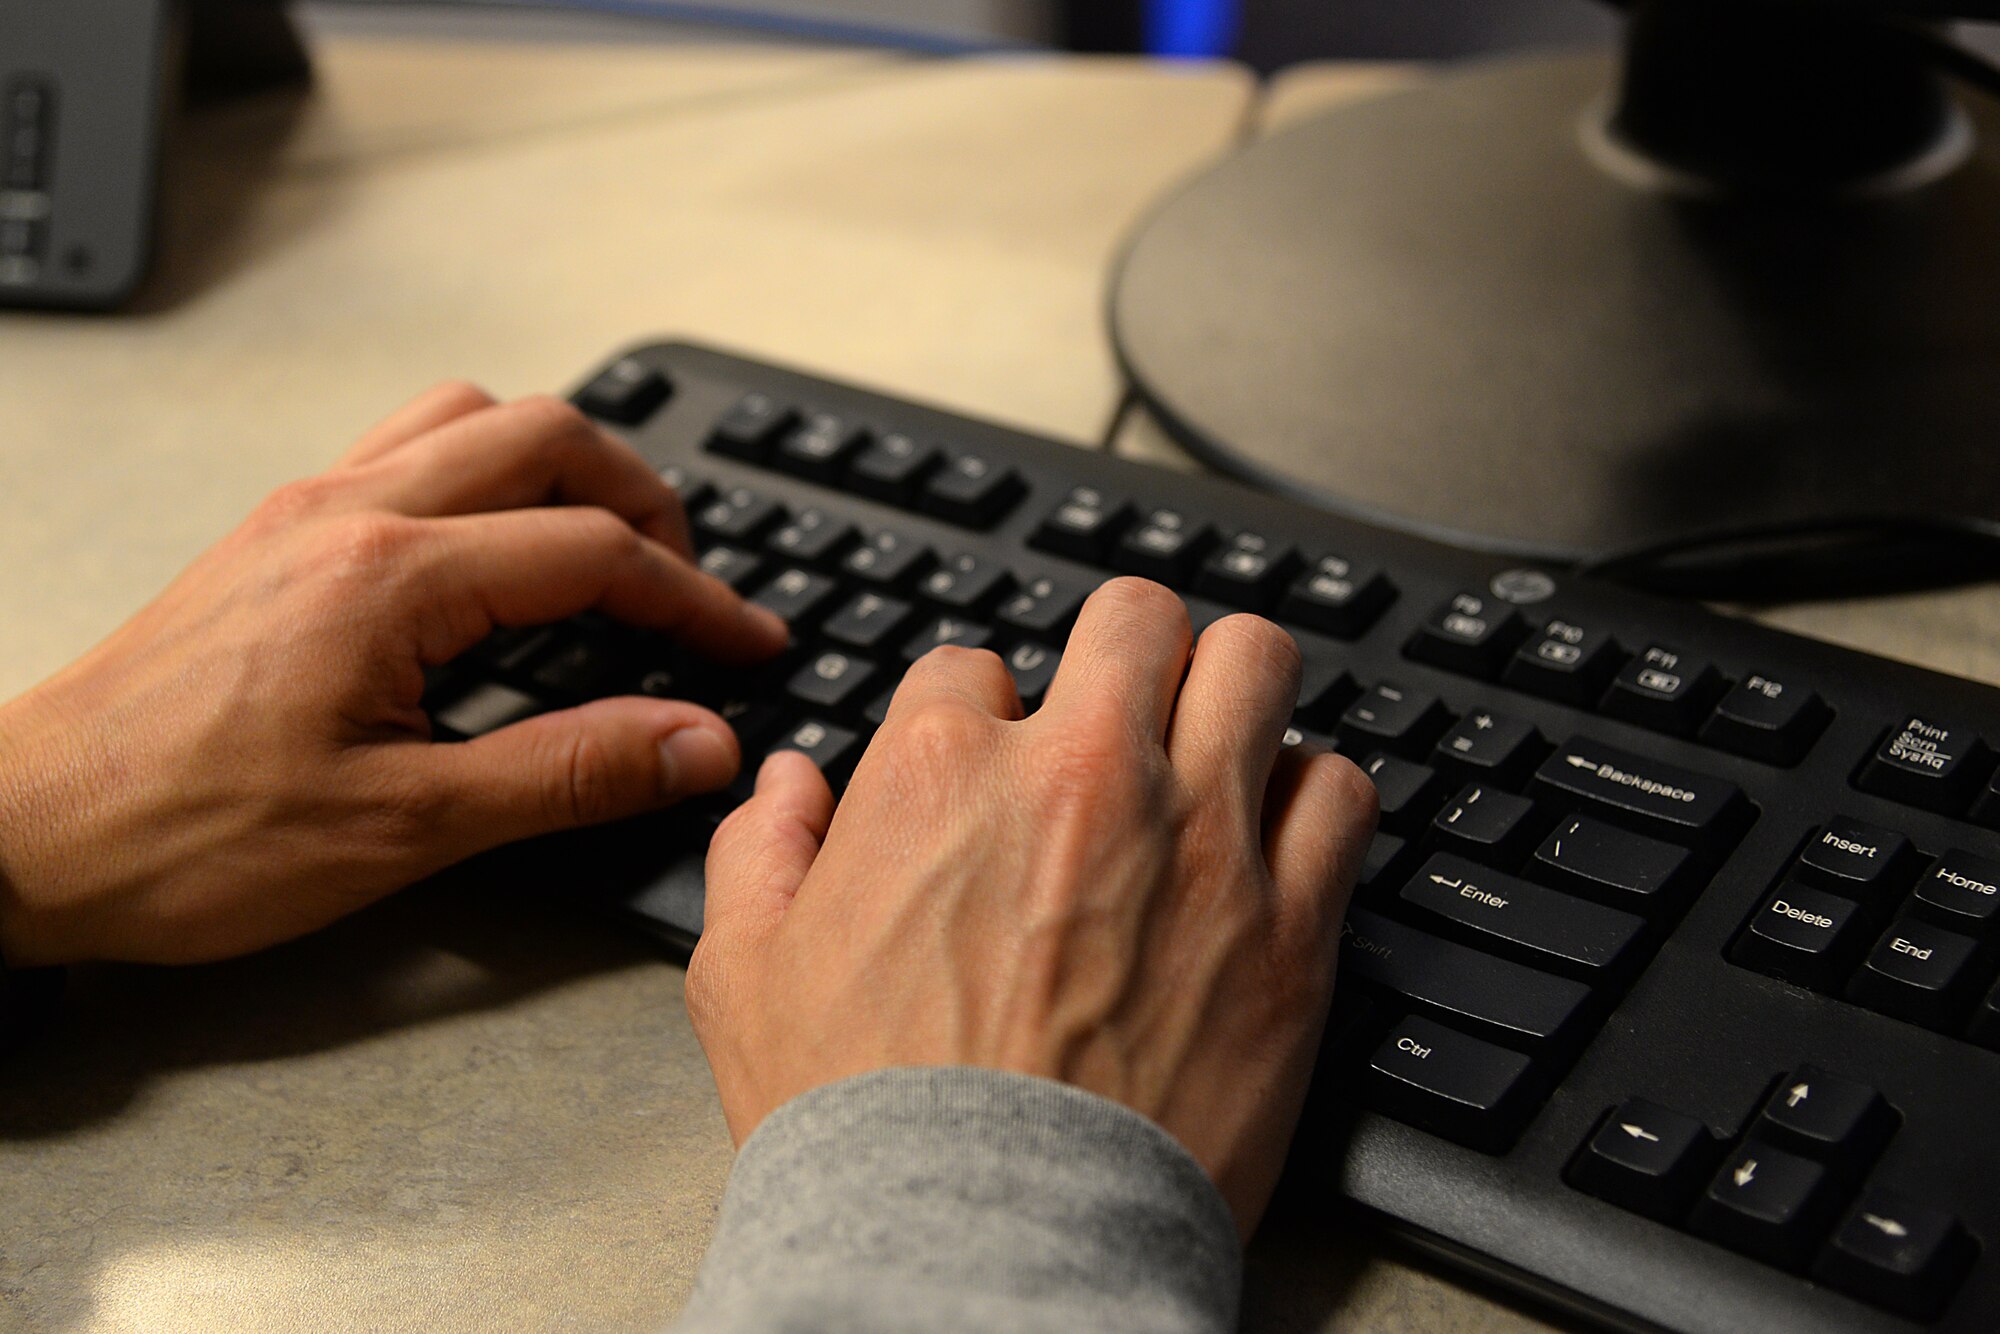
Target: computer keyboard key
[1044,608]
[755,721]
[1659,797]
[796,596]
[1664,688]
[487,707]
[1612,865]
[1084,525]
[947,631]
[869,622]
[1513,1003]
[1961,891]
[1164,546]
[820,446]
[732,565]
[1857,859]
[1437,1079]
[628,392]
[972,489]
[747,429]
[1395,718]
[1898,1254]
[1926,763]
[738,515]
[1919,972]
[888,559]
[1324,690]
[833,749]
[1486,824]
[1408,793]
[1565,661]
[1767,719]
[1768,1204]
[1646,1158]
[1246,571]
[694,490]
[813,537]
[1469,633]
[1826,1117]
[1337,596]
[892,467]
[575,667]
[1383,865]
[1803,936]
[832,681]
[966,584]
[1508,915]
[877,711]
[1033,667]
[1489,747]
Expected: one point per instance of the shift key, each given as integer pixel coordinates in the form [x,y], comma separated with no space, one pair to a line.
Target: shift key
[1634,790]
[1495,997]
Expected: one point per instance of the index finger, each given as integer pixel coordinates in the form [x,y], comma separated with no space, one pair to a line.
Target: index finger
[533,451]
[531,567]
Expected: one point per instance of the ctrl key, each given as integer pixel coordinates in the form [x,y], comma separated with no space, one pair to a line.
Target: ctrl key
[1898,1254]
[1440,1080]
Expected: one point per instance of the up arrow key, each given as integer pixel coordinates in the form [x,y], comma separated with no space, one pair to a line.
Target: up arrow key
[1799,1093]
[1641,792]
[1638,1132]
[1889,1227]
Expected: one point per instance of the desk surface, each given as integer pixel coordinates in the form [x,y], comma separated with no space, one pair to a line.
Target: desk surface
[460,1111]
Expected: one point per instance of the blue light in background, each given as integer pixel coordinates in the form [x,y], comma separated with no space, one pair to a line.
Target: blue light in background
[1190,27]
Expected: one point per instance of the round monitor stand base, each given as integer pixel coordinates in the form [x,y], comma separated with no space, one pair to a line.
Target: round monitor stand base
[1449,311]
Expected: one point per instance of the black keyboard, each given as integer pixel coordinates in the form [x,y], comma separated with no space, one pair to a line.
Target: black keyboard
[1670,988]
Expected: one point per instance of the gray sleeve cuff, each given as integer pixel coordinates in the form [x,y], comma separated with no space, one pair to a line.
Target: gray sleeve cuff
[957,1198]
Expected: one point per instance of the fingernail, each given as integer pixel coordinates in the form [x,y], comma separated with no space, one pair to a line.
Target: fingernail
[693,759]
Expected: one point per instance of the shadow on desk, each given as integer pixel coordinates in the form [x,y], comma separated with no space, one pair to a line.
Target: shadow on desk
[217,209]
[444,949]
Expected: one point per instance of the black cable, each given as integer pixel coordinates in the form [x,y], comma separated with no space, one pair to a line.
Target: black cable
[1809,559]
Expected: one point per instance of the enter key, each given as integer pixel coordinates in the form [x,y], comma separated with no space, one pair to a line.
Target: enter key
[1510,915]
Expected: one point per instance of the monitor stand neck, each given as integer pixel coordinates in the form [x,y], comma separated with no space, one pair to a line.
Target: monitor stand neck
[1769,97]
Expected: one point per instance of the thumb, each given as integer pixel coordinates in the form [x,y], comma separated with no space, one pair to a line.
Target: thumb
[761,853]
[602,761]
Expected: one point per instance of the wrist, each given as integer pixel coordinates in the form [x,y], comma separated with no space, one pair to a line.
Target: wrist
[32,919]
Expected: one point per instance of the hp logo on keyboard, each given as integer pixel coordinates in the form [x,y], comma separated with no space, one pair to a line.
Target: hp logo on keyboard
[1523,587]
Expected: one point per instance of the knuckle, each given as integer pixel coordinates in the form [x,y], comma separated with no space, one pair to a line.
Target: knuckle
[462,393]
[364,546]
[939,733]
[551,420]
[617,539]
[582,787]
[1140,599]
[1259,644]
[295,500]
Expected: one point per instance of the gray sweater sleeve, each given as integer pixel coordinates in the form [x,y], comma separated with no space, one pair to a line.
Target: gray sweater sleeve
[964,1199]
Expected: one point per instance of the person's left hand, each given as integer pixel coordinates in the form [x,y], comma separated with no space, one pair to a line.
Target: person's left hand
[246,759]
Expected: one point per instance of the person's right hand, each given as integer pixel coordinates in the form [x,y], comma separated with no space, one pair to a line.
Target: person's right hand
[1136,890]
